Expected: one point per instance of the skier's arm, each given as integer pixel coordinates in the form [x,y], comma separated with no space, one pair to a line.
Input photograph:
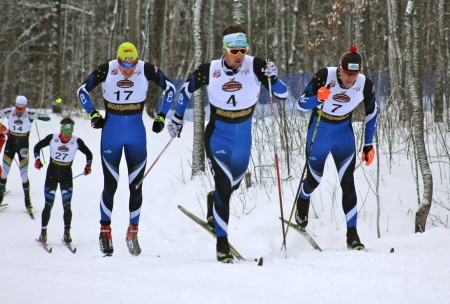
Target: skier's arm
[154,74]
[85,150]
[195,81]
[41,144]
[370,107]
[309,100]
[94,79]
[279,89]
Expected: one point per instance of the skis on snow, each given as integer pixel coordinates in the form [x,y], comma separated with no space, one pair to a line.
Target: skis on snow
[70,246]
[205,226]
[49,249]
[305,234]
[45,246]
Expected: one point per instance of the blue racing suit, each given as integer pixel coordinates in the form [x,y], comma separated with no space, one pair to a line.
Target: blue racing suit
[124,129]
[335,134]
[233,94]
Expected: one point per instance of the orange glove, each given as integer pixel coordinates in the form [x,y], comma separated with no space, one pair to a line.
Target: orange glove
[368,154]
[87,170]
[38,165]
[322,94]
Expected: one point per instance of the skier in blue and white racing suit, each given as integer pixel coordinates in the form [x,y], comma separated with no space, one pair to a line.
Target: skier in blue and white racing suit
[336,91]
[125,84]
[233,83]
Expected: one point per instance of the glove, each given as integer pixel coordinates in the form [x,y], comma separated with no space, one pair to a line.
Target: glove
[368,154]
[97,120]
[158,124]
[87,169]
[175,125]
[322,94]
[38,165]
[271,70]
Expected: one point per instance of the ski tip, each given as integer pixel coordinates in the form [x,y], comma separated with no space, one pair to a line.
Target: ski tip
[107,255]
[74,250]
[50,250]
[392,250]
[260,261]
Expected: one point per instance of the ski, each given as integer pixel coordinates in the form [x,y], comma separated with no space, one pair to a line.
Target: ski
[305,234]
[45,246]
[72,248]
[205,226]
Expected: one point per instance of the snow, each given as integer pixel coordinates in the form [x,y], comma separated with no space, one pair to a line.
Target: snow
[178,264]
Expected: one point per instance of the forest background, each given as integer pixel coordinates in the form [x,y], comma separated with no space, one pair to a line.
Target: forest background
[47,48]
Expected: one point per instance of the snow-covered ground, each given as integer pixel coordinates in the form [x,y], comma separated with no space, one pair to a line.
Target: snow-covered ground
[178,264]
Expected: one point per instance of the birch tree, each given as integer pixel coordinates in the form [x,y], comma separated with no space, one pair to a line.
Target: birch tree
[412,82]
[198,152]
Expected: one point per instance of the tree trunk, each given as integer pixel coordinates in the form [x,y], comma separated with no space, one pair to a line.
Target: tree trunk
[198,153]
[413,88]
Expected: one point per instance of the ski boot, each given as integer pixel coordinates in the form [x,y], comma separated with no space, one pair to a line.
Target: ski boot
[132,240]
[43,236]
[28,204]
[223,252]
[353,241]
[209,210]
[105,240]
[301,214]
[66,237]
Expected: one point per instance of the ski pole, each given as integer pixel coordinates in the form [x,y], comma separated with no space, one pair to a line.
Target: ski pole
[78,175]
[59,101]
[156,160]
[39,137]
[277,167]
[306,162]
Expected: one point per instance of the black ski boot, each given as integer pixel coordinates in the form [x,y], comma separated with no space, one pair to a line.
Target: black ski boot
[28,204]
[132,240]
[353,241]
[66,237]
[223,251]
[301,214]
[105,240]
[209,210]
[43,236]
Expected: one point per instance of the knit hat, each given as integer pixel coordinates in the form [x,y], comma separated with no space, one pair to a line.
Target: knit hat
[351,61]
[127,55]
[21,101]
[235,40]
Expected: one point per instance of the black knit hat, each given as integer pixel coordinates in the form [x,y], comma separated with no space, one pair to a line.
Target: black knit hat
[351,61]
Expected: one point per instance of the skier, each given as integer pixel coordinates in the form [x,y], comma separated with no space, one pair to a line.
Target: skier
[125,83]
[63,147]
[333,94]
[233,83]
[20,120]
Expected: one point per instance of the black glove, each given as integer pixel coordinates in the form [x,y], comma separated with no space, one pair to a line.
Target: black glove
[158,124]
[97,120]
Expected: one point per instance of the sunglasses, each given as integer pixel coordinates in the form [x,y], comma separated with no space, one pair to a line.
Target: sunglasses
[20,108]
[127,64]
[66,131]
[236,52]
